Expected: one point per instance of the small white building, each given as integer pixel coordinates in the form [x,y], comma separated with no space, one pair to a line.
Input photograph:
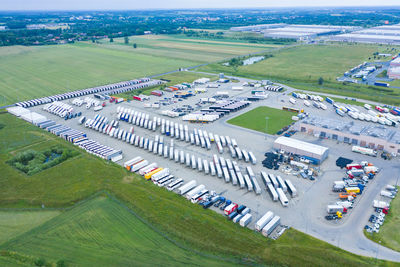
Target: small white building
[301,148]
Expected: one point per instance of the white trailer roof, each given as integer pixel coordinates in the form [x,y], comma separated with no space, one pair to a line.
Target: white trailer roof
[301,145]
[18,111]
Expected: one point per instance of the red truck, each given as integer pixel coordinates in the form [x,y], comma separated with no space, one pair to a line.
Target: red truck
[230,208]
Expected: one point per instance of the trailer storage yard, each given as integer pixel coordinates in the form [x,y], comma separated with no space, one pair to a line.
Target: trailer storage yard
[219,165]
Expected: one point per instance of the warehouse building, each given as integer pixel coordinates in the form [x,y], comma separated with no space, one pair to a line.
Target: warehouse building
[388,34]
[293,31]
[375,136]
[311,151]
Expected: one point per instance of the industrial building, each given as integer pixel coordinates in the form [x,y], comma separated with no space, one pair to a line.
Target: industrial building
[308,150]
[394,69]
[377,137]
[298,32]
[388,34]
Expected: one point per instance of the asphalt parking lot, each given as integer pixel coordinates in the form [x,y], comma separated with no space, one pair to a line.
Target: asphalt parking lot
[305,212]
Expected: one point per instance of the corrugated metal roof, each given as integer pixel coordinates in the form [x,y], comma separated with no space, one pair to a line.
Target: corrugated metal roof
[301,145]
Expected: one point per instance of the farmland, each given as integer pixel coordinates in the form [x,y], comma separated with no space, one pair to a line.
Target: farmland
[302,66]
[183,222]
[78,234]
[180,47]
[29,72]
[256,119]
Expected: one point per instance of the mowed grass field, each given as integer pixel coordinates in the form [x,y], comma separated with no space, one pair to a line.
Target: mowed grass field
[255,119]
[29,72]
[389,233]
[189,225]
[101,232]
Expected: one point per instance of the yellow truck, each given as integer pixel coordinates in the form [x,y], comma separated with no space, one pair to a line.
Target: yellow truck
[352,190]
[149,174]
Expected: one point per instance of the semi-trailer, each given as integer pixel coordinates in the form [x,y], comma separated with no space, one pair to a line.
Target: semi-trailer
[226,174]
[148,168]
[175,184]
[262,222]
[187,160]
[148,175]
[273,180]
[271,225]
[194,191]
[212,169]
[291,189]
[282,197]
[198,196]
[240,178]
[249,184]
[252,158]
[187,187]
[206,167]
[230,208]
[245,155]
[245,220]
[272,192]
[233,177]
[281,183]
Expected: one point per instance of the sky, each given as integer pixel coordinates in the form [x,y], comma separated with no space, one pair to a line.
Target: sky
[178,4]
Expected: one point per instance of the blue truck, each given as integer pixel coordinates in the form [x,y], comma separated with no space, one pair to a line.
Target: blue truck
[381,84]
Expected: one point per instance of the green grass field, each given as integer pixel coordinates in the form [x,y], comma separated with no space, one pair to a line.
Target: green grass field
[255,119]
[15,223]
[190,225]
[301,67]
[29,72]
[389,233]
[101,232]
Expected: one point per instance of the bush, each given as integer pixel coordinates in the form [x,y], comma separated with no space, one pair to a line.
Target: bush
[32,162]
[61,263]
[40,262]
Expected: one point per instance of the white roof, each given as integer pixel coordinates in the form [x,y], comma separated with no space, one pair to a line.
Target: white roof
[18,111]
[301,145]
[368,36]
[394,70]
[33,117]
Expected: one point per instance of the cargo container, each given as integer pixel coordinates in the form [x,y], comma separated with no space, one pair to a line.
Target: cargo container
[365,151]
[245,220]
[380,204]
[271,225]
[353,190]
[262,222]
[187,187]
[282,197]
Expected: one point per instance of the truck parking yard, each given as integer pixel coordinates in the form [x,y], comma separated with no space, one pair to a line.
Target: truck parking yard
[207,149]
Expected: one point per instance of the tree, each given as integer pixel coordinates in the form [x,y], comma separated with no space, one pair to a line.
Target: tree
[126,40]
[111,39]
[321,81]
[134,45]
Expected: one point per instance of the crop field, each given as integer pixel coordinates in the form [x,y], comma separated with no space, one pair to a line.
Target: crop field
[185,48]
[106,229]
[15,223]
[389,232]
[255,119]
[29,72]
[83,176]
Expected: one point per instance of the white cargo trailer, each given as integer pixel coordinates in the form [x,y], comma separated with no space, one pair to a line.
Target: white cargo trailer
[291,189]
[269,228]
[194,191]
[262,222]
[186,187]
[272,192]
[281,183]
[248,183]
[245,220]
[282,197]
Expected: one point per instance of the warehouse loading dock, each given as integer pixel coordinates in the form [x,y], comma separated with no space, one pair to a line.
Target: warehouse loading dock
[309,150]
